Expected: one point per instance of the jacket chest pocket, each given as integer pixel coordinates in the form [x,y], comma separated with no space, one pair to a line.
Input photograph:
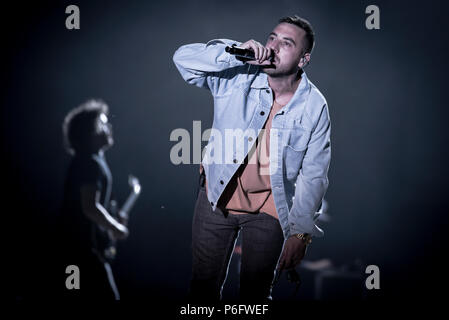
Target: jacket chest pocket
[294,151]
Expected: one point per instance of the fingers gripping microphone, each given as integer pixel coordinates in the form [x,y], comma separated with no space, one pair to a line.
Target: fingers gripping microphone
[242,53]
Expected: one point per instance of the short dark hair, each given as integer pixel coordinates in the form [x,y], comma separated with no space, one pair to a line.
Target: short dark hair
[80,123]
[302,23]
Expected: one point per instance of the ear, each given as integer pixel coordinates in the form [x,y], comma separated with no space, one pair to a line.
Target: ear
[304,60]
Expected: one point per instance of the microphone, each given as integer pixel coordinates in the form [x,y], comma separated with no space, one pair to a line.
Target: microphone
[244,54]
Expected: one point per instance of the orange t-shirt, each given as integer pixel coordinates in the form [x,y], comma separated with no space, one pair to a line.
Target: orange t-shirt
[249,190]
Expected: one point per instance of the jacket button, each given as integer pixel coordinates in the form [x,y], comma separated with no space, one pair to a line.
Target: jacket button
[235,160]
[250,139]
[267,91]
[262,113]
[221,181]
[211,203]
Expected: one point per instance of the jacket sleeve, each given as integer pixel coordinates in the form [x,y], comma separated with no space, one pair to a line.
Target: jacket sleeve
[205,65]
[312,181]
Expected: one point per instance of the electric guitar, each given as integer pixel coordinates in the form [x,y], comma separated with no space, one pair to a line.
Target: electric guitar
[107,241]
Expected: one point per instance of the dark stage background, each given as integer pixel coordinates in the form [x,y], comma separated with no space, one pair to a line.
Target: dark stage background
[386,94]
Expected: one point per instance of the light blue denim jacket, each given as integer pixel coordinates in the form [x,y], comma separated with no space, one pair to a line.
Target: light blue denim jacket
[299,161]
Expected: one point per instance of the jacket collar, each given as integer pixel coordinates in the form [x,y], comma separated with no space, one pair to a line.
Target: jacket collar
[299,97]
[261,82]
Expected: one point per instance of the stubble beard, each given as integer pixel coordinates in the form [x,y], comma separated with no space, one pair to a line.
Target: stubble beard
[279,73]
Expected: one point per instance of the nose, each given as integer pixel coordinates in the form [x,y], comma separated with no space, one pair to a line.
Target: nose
[274,45]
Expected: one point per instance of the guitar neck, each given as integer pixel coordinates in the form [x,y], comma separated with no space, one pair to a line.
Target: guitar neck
[130,201]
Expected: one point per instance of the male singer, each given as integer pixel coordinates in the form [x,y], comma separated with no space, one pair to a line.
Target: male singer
[272,190]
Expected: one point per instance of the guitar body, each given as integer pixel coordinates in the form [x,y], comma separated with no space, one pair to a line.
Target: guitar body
[105,243]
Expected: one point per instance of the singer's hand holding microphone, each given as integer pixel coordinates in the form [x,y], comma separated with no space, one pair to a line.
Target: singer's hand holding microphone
[262,56]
